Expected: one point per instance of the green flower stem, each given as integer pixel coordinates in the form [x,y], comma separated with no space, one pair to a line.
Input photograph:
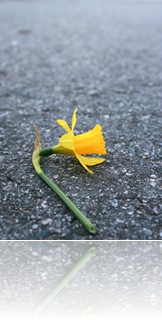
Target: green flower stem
[51,150]
[77,213]
[68,277]
[46,152]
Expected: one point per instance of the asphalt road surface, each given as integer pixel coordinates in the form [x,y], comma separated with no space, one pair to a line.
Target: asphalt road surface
[106,59]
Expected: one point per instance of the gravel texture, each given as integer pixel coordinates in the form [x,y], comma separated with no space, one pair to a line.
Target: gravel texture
[105,58]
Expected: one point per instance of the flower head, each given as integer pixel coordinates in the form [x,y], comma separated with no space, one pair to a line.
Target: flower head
[91,142]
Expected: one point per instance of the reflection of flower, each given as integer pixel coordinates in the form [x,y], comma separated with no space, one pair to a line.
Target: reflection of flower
[91,142]
[90,252]
[89,315]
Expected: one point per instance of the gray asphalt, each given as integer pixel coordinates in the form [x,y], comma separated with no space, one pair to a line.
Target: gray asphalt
[105,58]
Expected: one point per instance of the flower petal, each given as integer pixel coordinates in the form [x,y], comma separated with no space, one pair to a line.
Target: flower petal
[81,160]
[64,125]
[66,141]
[73,123]
[89,161]
[90,142]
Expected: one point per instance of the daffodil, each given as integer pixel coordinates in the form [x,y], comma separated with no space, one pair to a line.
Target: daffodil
[91,142]
[36,157]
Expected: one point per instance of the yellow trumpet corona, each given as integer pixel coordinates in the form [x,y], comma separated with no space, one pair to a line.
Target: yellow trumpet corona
[91,142]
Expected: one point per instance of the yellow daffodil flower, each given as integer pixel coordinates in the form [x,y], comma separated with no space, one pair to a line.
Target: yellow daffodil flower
[91,142]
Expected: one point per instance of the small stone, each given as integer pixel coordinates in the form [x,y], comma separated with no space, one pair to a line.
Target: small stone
[152,182]
[114,203]
[69,219]
[153,176]
[35,226]
[119,221]
[155,210]
[14,43]
[47,221]
[131,151]
[44,204]
[46,258]
[35,253]
[148,232]
[56,176]
[8,187]
[131,209]
[93,92]
[130,213]
[128,174]
[57,223]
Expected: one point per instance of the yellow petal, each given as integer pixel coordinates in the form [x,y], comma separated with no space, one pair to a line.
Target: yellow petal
[90,142]
[89,161]
[66,141]
[64,125]
[81,160]
[73,123]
